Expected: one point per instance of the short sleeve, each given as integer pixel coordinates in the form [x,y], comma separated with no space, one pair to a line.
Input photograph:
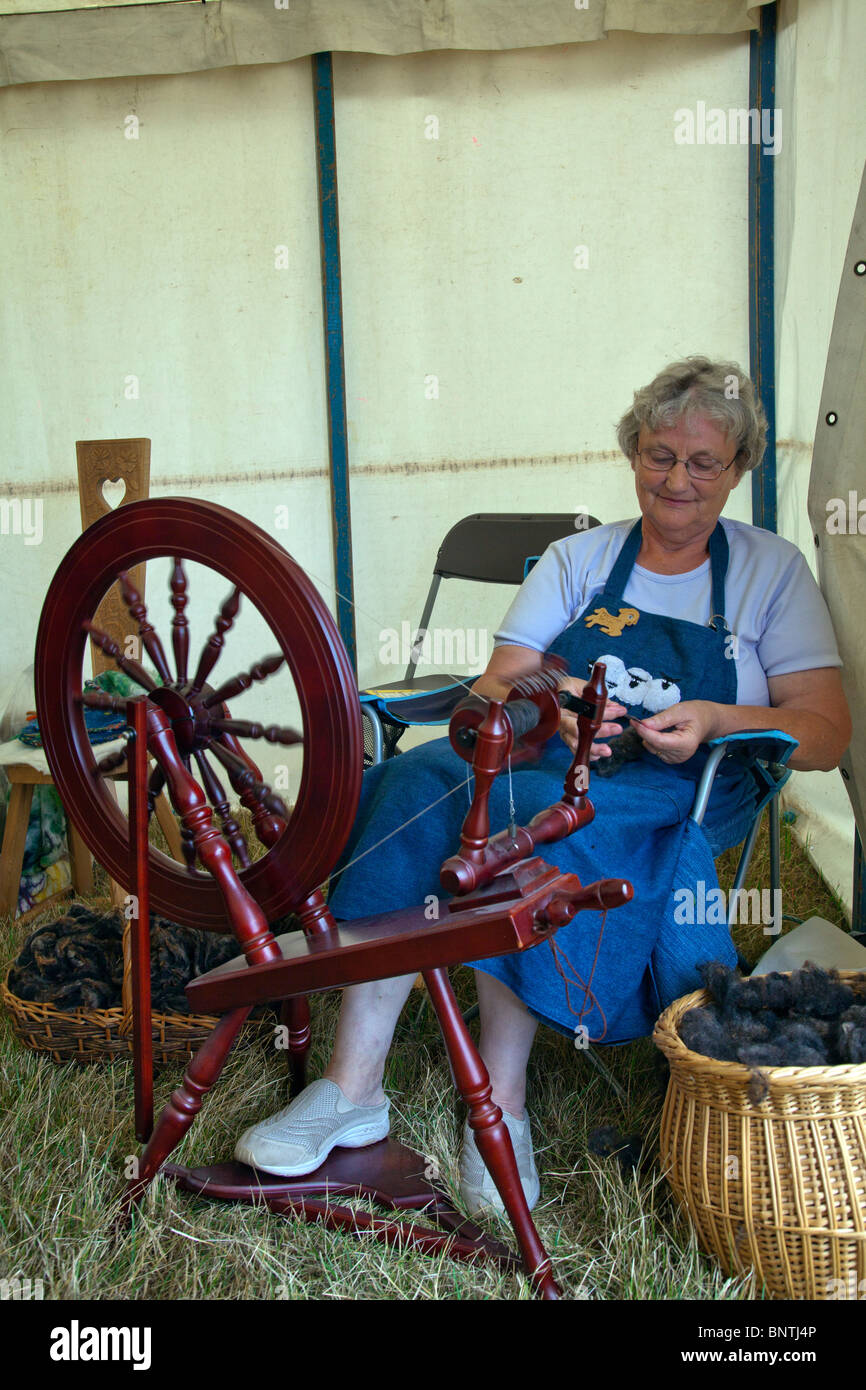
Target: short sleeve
[545,604]
[798,633]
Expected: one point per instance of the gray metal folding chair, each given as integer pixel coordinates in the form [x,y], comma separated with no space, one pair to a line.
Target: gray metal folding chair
[490,547]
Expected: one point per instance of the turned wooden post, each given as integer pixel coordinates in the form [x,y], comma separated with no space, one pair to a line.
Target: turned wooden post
[577,777]
[248,921]
[491,1133]
[203,1071]
[295,1016]
[139,924]
[316,919]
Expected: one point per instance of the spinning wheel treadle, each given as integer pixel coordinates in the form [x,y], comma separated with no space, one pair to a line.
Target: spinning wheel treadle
[300,855]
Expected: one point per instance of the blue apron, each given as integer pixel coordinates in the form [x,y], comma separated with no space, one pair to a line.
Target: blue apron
[654,661]
[641,831]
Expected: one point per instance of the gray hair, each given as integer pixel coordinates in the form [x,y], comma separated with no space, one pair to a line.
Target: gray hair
[719,391]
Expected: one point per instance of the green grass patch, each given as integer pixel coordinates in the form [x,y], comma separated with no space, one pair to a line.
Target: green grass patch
[67,1133]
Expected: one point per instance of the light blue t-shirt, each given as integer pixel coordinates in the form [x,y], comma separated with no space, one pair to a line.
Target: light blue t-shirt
[774,608]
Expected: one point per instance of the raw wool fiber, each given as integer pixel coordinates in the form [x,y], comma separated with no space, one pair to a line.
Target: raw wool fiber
[77,961]
[607,1142]
[624,748]
[807,1019]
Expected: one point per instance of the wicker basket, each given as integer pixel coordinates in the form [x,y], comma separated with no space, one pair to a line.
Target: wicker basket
[98,1035]
[778,1187]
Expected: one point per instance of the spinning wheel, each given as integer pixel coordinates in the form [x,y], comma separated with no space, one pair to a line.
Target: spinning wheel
[505,899]
[302,845]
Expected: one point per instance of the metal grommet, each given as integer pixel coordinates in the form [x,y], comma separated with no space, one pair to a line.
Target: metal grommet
[845,774]
[860,268]
[831,417]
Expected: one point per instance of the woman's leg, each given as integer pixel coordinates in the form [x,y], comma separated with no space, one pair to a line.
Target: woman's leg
[507,1033]
[368,1017]
[347,1105]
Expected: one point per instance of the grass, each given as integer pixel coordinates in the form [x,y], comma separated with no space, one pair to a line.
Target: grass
[67,1134]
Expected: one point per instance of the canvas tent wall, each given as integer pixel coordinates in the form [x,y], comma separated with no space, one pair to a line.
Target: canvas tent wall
[523,241]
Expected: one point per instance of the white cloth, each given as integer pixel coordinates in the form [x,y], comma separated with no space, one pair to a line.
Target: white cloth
[14,752]
[774,607]
[102,38]
[816,940]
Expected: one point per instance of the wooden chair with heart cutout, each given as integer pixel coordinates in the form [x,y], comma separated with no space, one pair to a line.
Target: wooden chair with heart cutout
[111,473]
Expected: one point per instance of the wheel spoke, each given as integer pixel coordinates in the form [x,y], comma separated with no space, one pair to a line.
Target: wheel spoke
[179,623]
[259,672]
[218,799]
[155,784]
[216,641]
[100,699]
[130,667]
[187,836]
[187,844]
[146,631]
[268,812]
[112,760]
[242,728]
[242,779]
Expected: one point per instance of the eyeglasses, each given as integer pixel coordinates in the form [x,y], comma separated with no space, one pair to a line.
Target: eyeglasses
[702,466]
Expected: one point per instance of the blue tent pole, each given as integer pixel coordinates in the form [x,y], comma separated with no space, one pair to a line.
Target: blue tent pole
[335,373]
[762,345]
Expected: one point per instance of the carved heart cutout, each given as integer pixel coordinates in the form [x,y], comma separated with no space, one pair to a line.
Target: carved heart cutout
[113,492]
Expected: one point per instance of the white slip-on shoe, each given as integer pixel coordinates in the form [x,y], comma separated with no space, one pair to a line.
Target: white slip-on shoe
[477,1187]
[298,1139]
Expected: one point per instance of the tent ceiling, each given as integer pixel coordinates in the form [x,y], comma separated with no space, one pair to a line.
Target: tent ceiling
[51,40]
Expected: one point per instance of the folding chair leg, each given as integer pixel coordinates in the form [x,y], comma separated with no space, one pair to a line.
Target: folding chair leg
[603,1071]
[746,853]
[375,725]
[775,847]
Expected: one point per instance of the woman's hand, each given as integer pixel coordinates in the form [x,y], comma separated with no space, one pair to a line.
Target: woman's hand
[568,722]
[676,733]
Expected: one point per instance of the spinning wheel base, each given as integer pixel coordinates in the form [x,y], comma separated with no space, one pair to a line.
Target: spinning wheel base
[387,1173]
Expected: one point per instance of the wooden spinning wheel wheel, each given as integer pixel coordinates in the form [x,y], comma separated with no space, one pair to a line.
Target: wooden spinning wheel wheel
[191,690]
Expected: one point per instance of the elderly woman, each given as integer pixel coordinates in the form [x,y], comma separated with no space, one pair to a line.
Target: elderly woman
[707,627]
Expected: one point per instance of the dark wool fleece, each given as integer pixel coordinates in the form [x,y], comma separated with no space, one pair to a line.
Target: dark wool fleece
[808,1019]
[77,961]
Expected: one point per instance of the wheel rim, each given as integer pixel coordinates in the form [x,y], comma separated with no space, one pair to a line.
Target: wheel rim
[304,631]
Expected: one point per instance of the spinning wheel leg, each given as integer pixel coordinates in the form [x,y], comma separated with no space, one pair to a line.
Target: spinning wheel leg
[295,1016]
[492,1137]
[204,1069]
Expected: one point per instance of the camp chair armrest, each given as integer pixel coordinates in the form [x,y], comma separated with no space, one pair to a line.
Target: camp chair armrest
[765,751]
